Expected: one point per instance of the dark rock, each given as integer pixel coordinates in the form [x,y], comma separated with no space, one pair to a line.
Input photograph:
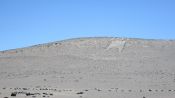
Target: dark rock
[80,93]
[29,94]
[99,90]
[130,90]
[45,93]
[24,88]
[13,94]
[86,90]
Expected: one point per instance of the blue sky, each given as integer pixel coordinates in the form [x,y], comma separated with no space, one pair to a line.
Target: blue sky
[29,22]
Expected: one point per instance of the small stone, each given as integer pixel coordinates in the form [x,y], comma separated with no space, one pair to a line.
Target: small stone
[13,94]
[80,93]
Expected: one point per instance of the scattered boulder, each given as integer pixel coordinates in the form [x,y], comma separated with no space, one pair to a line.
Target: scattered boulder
[86,90]
[24,88]
[80,93]
[130,90]
[13,94]
[29,94]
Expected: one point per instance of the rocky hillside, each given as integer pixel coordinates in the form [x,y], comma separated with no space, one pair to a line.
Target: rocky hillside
[91,68]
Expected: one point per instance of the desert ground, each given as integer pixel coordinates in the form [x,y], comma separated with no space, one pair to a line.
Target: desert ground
[90,68]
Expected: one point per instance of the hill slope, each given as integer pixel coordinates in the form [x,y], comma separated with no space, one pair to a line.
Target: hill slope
[91,68]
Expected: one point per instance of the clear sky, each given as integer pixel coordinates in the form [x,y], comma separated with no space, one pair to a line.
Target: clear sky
[29,22]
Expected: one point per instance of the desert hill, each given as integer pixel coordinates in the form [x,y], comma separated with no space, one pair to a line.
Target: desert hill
[90,68]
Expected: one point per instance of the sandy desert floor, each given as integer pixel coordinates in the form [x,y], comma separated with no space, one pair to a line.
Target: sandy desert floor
[90,68]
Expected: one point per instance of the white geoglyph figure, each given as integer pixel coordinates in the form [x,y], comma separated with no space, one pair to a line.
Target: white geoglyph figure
[119,44]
